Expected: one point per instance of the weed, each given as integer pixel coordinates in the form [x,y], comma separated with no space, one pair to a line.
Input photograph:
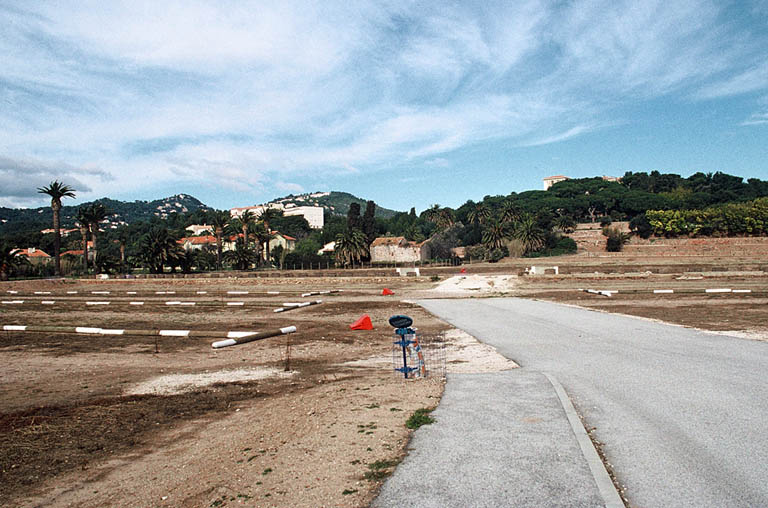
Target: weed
[372,406]
[434,278]
[395,409]
[418,418]
[347,492]
[266,471]
[356,461]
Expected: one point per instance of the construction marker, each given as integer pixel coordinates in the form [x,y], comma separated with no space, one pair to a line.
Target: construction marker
[244,337]
[291,306]
[88,330]
[313,293]
[598,292]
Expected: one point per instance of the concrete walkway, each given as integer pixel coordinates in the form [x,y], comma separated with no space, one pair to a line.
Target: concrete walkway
[500,439]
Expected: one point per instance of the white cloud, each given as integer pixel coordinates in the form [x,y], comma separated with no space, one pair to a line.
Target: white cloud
[252,95]
[289,187]
[756,119]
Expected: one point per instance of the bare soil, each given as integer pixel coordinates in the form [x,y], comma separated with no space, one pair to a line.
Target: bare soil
[315,418]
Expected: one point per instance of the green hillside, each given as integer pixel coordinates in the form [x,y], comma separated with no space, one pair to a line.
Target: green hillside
[334,202]
[13,220]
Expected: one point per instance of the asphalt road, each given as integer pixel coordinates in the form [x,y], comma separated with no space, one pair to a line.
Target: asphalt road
[683,415]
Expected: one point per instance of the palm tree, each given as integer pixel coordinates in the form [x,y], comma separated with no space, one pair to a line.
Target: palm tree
[529,233]
[445,219]
[219,220]
[262,237]
[10,261]
[158,247]
[95,213]
[565,223]
[242,257]
[432,213]
[479,214]
[247,218]
[510,212]
[57,190]
[123,236]
[494,235]
[351,246]
[82,221]
[267,216]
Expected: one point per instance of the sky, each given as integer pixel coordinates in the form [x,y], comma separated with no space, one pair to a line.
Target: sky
[407,103]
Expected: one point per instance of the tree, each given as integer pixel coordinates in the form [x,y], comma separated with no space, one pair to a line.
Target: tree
[266,217]
[369,222]
[432,213]
[247,219]
[528,232]
[494,235]
[57,190]
[479,214]
[10,261]
[242,257]
[510,212]
[565,223]
[354,221]
[351,246]
[219,220]
[95,213]
[262,237]
[82,221]
[158,247]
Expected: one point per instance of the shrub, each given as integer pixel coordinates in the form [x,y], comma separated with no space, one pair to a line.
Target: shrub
[515,248]
[564,245]
[640,226]
[615,238]
[605,221]
[497,254]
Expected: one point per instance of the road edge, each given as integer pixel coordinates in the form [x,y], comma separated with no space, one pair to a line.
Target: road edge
[605,486]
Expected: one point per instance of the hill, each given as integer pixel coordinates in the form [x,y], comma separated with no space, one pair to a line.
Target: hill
[334,202]
[14,220]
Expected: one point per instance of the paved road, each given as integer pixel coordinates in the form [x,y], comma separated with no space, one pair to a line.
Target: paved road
[519,450]
[683,414]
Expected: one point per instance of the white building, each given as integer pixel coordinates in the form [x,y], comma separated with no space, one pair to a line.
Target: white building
[197,229]
[552,180]
[314,215]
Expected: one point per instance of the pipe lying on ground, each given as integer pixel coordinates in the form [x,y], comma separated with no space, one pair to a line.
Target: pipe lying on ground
[246,337]
[314,293]
[599,292]
[115,331]
[291,306]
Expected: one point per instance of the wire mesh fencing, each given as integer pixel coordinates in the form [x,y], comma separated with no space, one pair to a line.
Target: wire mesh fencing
[419,356]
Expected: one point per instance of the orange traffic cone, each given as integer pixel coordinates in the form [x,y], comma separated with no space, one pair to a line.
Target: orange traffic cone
[364,323]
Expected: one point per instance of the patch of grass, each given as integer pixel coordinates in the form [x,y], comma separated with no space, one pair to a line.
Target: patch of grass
[434,278]
[395,409]
[266,471]
[380,469]
[382,464]
[418,418]
[347,492]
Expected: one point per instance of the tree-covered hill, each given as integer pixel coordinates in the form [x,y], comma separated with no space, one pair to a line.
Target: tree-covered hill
[334,202]
[14,220]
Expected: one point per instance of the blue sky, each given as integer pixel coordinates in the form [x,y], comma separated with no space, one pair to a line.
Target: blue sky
[407,103]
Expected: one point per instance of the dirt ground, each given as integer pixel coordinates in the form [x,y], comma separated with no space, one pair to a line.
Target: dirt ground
[315,418]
